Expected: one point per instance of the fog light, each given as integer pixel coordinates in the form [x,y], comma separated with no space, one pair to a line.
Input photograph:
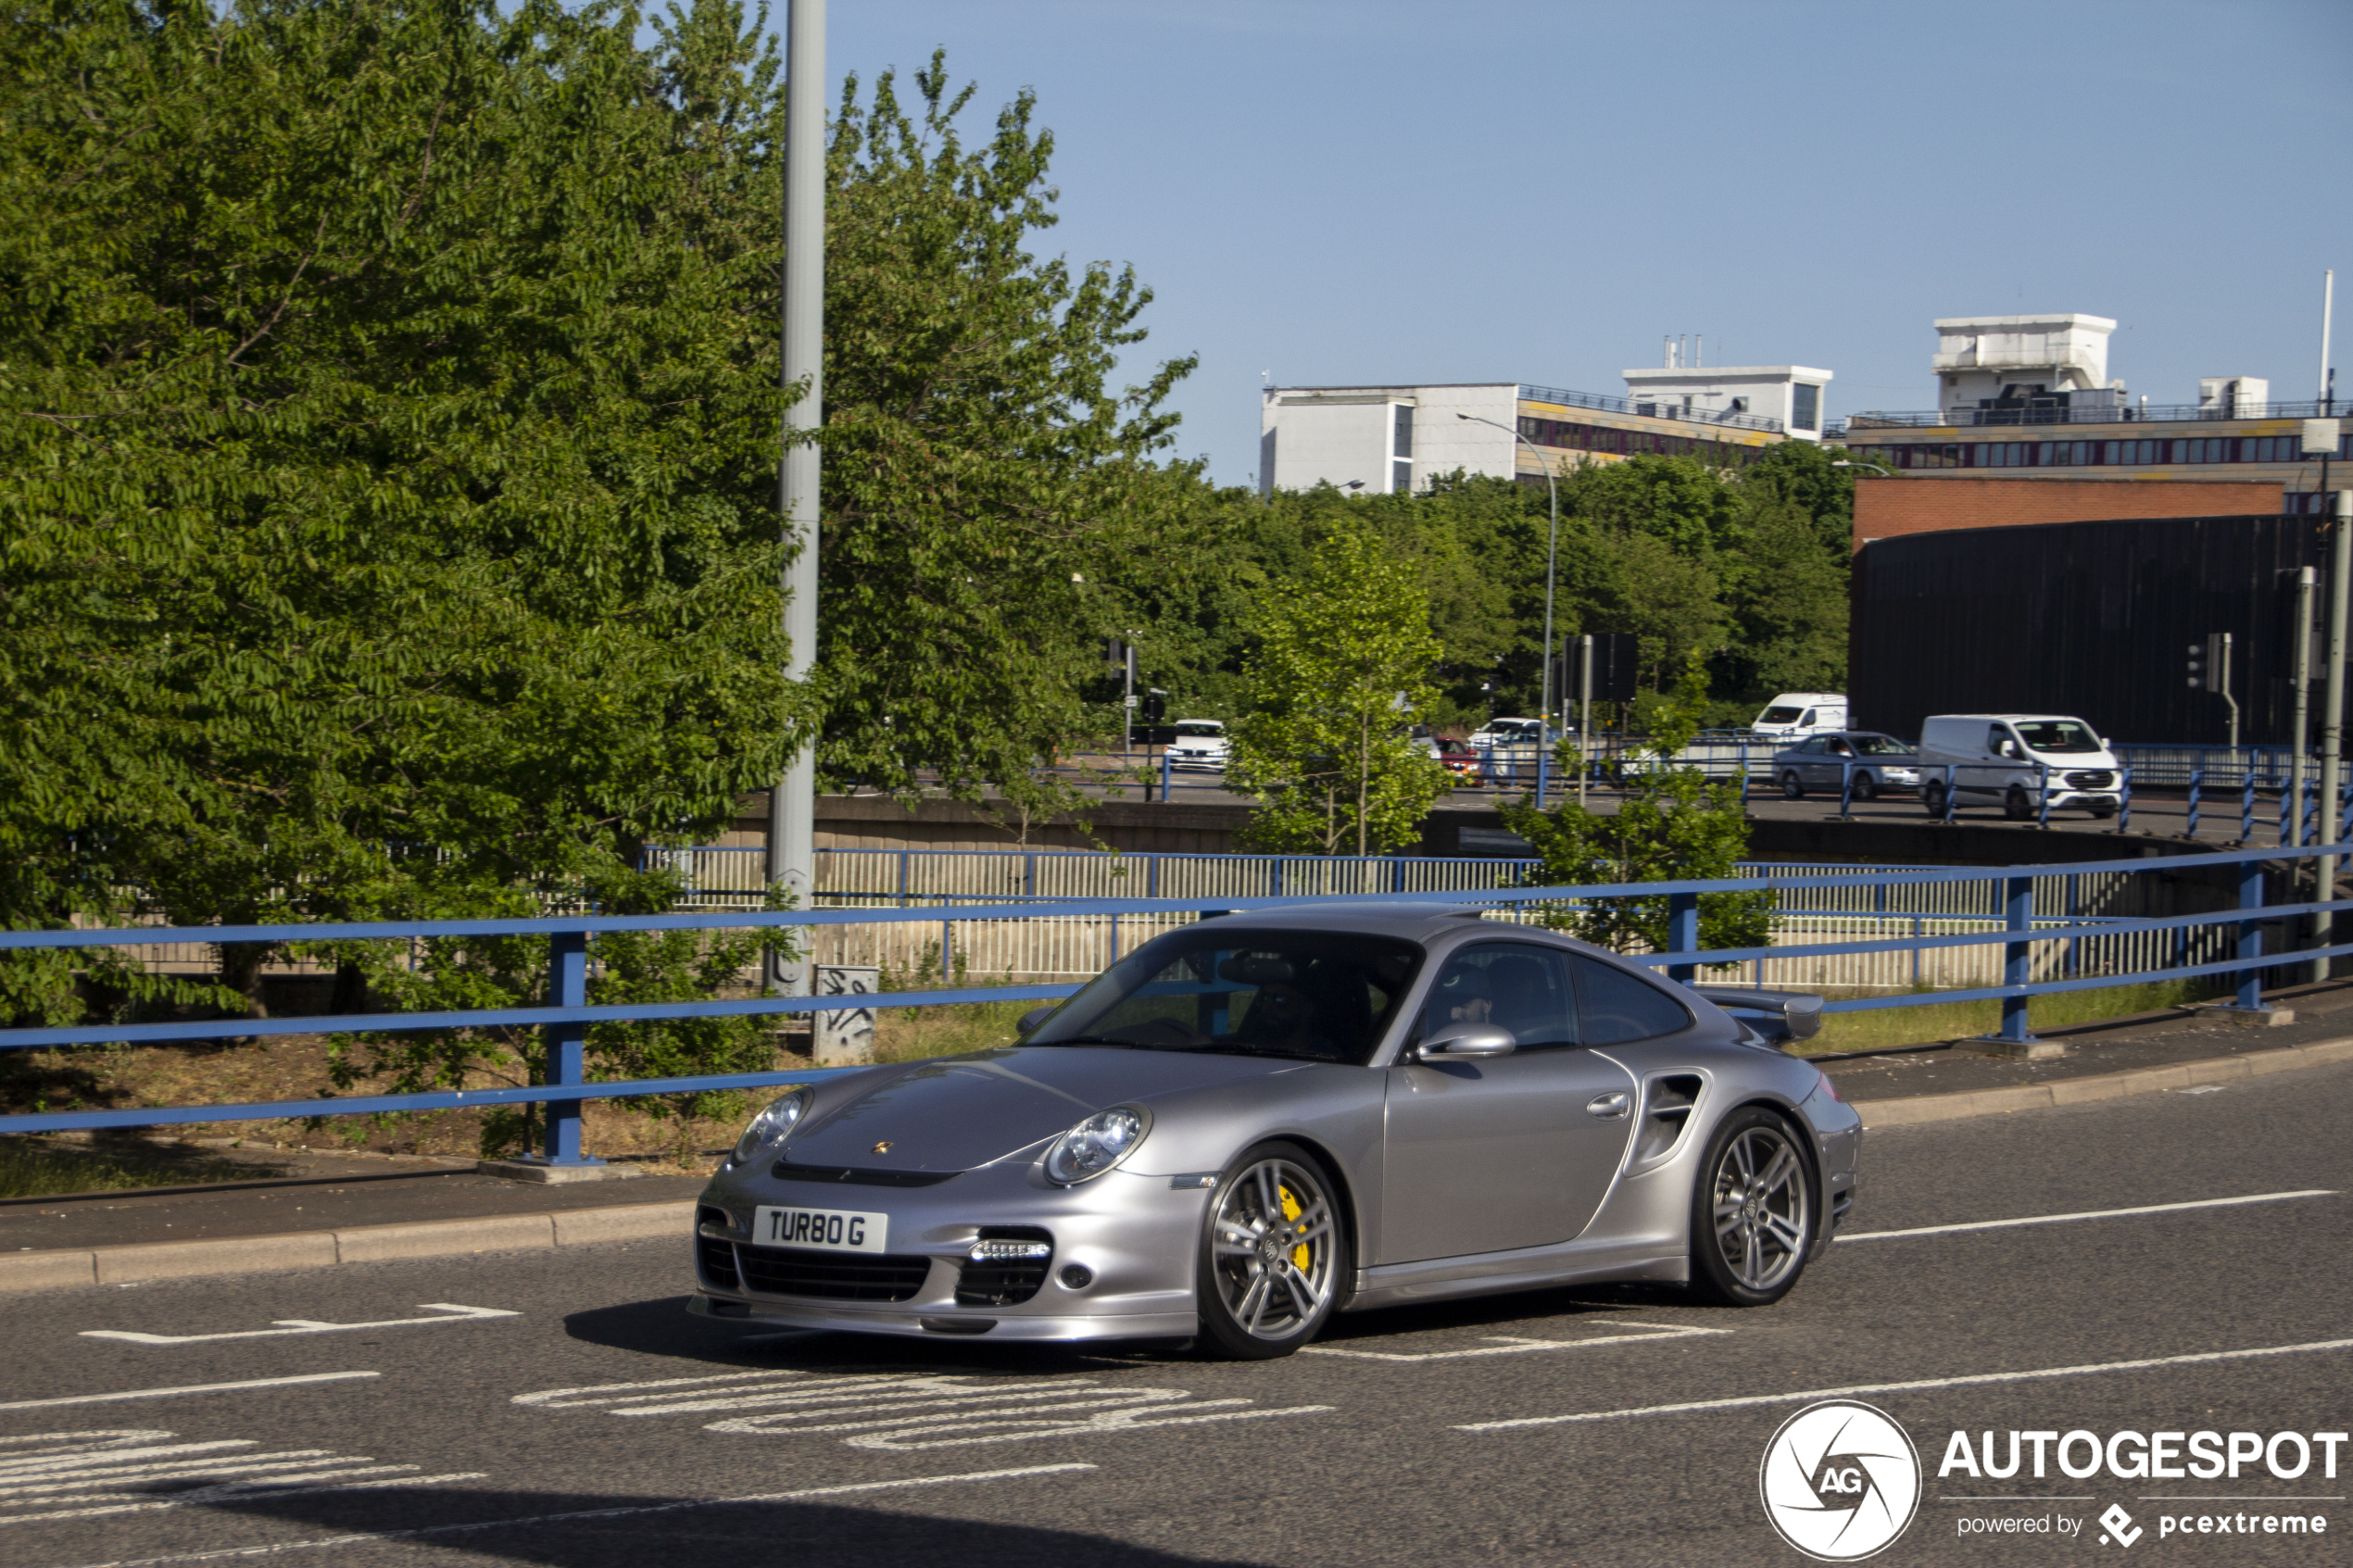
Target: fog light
[1077,1277]
[1000,1252]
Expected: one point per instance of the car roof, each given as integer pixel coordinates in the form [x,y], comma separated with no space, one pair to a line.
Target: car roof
[2012,718]
[1415,923]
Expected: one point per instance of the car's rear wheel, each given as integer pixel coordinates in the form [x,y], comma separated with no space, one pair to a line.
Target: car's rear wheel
[1791,788]
[1274,1254]
[1753,1215]
[1932,797]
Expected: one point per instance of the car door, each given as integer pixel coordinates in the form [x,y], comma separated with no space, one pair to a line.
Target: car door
[1809,767]
[1499,1152]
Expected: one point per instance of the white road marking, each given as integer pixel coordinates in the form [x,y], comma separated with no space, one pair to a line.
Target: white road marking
[1971,1380]
[2092,1214]
[909,1412]
[1511,1344]
[273,1549]
[93,1474]
[187,1388]
[451,1312]
[2202,1089]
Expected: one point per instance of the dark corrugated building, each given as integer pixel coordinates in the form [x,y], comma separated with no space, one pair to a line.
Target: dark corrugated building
[2091,619]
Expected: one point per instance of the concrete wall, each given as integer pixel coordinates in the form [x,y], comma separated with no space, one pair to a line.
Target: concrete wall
[1888,508]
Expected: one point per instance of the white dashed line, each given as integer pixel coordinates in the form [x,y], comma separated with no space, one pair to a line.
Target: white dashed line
[187,1388]
[1509,1345]
[585,1514]
[2091,1214]
[1973,1380]
[449,1313]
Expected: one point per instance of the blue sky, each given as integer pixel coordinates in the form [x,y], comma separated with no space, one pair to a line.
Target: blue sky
[1539,190]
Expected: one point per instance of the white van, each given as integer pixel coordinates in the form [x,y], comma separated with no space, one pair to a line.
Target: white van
[2013,757]
[1801,713]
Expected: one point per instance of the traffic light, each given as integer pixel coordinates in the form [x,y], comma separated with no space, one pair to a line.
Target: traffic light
[2210,663]
[1155,704]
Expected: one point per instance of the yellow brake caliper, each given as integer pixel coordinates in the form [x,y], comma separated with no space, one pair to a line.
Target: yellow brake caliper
[1292,1213]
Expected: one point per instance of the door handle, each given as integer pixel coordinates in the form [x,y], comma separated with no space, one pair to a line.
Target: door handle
[1610,1105]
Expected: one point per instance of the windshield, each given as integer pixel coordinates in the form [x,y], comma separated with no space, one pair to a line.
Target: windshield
[1200,727]
[1318,995]
[1879,746]
[2058,734]
[1780,716]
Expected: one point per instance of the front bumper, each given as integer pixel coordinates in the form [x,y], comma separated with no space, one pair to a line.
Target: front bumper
[1134,1234]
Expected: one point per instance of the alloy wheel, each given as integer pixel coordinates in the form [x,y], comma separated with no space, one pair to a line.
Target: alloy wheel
[1272,1249]
[1760,1204]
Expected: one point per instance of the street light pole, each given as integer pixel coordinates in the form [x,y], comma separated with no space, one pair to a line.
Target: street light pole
[1552,554]
[792,800]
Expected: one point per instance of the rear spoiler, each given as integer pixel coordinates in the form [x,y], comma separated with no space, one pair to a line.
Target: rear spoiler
[1788,1015]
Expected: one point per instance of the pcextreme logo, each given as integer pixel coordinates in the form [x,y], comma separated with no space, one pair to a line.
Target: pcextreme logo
[1840,1480]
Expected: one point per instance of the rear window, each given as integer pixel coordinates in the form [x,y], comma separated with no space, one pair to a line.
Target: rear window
[1617,1007]
[1780,716]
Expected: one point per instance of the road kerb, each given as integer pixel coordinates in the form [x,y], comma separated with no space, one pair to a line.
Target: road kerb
[1914,1110]
[445,1239]
[235,1255]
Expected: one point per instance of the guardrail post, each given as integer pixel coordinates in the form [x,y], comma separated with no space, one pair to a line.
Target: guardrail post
[2250,997]
[1543,774]
[2247,809]
[2017,897]
[567,1047]
[2125,800]
[2287,818]
[1846,790]
[1682,933]
[1952,792]
[2043,821]
[2197,777]
[1167,775]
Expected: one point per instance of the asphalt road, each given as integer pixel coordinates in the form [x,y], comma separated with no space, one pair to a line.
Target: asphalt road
[598,1425]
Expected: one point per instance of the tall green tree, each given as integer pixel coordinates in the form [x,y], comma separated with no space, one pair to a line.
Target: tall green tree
[1343,669]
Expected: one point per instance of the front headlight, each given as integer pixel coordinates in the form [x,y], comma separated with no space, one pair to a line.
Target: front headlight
[769,1127]
[1097,1144]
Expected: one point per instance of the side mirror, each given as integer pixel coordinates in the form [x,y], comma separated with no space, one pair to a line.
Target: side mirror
[1035,1017]
[1460,1041]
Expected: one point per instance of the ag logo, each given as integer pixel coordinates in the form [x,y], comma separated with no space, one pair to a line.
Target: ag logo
[1840,1480]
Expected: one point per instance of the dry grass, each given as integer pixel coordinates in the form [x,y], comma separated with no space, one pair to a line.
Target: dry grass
[1882,1027]
[38,1167]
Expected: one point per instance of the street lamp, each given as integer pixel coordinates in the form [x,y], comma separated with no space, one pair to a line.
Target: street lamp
[1552,553]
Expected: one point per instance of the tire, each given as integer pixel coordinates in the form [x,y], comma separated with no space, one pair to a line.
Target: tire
[1865,788]
[2103,812]
[2015,806]
[1256,1301]
[1753,1214]
[1791,788]
[1932,797]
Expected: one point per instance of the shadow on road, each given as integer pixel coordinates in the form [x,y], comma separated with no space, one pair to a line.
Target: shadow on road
[578,1530]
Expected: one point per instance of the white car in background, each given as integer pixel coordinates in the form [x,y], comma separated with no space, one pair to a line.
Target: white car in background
[1199,744]
[1529,732]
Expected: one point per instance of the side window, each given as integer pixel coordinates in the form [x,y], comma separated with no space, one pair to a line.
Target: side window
[1619,1007]
[1994,736]
[1808,720]
[1513,985]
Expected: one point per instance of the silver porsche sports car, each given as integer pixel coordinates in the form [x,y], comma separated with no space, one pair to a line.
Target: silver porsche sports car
[1260,1120]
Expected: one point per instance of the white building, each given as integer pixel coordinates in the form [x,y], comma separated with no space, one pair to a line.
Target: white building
[1791,395]
[2053,361]
[1389,440]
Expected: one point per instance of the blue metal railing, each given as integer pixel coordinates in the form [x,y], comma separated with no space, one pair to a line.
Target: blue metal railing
[566,1017]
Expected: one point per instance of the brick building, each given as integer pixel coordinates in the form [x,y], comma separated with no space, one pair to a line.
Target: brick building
[1890,508]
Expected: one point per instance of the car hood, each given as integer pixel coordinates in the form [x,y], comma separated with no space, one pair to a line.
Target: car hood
[959,1112]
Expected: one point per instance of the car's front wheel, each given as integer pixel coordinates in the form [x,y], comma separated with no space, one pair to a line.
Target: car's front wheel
[1865,788]
[1274,1254]
[1753,1217]
[1932,797]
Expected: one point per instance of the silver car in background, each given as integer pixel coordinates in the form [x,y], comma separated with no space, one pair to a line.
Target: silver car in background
[1258,1120]
[1881,765]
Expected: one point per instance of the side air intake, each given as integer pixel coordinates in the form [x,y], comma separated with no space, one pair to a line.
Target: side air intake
[1667,1109]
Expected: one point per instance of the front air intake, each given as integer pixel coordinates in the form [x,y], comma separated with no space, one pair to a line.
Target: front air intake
[1005,1266]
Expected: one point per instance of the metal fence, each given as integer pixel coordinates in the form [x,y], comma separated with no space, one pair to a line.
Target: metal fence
[2164,413]
[2038,956]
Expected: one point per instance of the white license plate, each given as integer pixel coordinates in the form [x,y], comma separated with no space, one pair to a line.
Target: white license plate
[831,1230]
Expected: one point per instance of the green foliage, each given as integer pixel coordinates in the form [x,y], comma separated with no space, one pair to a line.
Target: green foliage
[1343,668]
[990,513]
[1671,825]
